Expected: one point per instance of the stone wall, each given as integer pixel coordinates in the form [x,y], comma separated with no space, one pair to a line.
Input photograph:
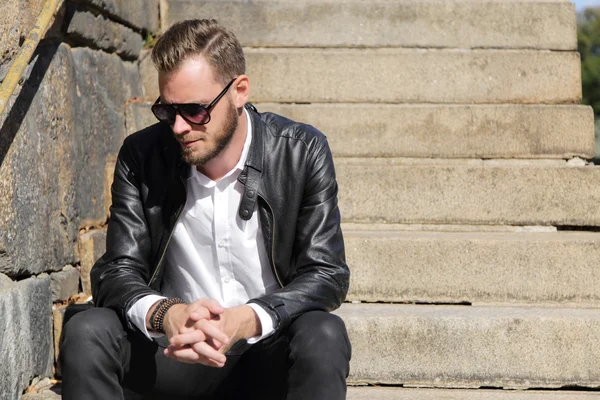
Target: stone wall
[59,138]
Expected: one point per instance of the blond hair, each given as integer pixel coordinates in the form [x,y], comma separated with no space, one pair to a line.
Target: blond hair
[203,37]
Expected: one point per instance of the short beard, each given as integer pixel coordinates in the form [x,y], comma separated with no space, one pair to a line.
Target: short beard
[222,141]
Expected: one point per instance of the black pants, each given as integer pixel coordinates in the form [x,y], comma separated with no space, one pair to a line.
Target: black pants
[309,361]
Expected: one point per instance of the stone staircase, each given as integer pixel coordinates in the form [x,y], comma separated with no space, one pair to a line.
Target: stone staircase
[469,211]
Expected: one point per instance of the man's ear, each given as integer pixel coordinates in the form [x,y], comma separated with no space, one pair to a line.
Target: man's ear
[240,91]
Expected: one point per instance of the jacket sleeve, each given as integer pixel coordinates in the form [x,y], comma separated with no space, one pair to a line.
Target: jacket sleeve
[322,276]
[119,278]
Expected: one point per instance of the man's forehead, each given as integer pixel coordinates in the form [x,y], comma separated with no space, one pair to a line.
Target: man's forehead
[198,66]
[193,81]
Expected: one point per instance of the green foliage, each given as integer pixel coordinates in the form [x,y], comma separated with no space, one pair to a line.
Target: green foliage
[588,38]
[150,40]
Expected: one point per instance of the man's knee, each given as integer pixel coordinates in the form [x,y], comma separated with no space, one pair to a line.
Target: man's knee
[320,333]
[96,327]
[93,322]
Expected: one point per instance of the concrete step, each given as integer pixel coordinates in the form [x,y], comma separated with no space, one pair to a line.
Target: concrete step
[379,393]
[434,131]
[413,76]
[473,267]
[471,347]
[541,24]
[468,192]
[449,131]
[396,393]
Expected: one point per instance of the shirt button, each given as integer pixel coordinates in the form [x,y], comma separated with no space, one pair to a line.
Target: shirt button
[221,243]
[227,280]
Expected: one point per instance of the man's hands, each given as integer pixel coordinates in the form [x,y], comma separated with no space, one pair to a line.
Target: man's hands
[201,332]
[182,319]
[236,323]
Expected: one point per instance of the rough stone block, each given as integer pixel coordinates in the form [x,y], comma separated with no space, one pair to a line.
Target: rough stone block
[46,394]
[149,76]
[26,334]
[382,393]
[37,217]
[408,23]
[109,173]
[470,347]
[58,316]
[400,191]
[16,20]
[92,246]
[474,267]
[65,123]
[141,14]
[449,131]
[65,283]
[98,90]
[138,116]
[99,32]
[42,395]
[413,76]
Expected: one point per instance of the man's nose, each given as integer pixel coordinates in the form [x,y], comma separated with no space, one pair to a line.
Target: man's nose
[180,126]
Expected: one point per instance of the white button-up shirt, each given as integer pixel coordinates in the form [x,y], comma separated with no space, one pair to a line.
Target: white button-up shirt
[214,253]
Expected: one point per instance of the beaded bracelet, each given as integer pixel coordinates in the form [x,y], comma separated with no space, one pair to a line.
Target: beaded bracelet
[158,316]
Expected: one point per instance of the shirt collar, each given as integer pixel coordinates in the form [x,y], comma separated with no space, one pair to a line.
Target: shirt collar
[206,181]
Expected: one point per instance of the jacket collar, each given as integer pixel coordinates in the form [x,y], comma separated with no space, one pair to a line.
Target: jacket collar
[251,175]
[259,130]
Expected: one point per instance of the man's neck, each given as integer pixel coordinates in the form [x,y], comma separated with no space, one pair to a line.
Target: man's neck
[219,166]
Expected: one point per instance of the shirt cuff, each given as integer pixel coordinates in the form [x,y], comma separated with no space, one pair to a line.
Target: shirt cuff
[266,322]
[137,314]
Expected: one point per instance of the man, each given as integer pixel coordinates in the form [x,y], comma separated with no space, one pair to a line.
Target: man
[224,249]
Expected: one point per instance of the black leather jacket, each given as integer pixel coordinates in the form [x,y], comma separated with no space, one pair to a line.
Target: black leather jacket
[289,179]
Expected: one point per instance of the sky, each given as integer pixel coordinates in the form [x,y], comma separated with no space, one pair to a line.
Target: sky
[581,4]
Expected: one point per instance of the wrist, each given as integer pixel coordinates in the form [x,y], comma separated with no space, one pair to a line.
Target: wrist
[250,323]
[158,313]
[149,314]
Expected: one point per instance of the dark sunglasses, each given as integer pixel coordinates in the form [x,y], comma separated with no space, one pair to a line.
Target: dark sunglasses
[193,113]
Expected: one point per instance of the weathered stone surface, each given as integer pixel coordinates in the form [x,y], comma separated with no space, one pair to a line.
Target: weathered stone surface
[413,23]
[25,334]
[92,245]
[66,122]
[138,116]
[58,315]
[149,76]
[99,32]
[383,227]
[382,393]
[100,100]
[109,174]
[384,190]
[141,14]
[47,394]
[413,76]
[460,346]
[449,131]
[474,267]
[16,20]
[65,283]
[37,228]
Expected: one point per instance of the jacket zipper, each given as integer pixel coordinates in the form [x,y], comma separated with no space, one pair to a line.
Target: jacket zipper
[170,235]
[273,244]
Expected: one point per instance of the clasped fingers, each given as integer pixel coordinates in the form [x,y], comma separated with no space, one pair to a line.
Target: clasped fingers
[203,331]
[197,353]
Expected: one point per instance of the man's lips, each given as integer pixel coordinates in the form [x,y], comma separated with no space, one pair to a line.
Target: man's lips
[187,143]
